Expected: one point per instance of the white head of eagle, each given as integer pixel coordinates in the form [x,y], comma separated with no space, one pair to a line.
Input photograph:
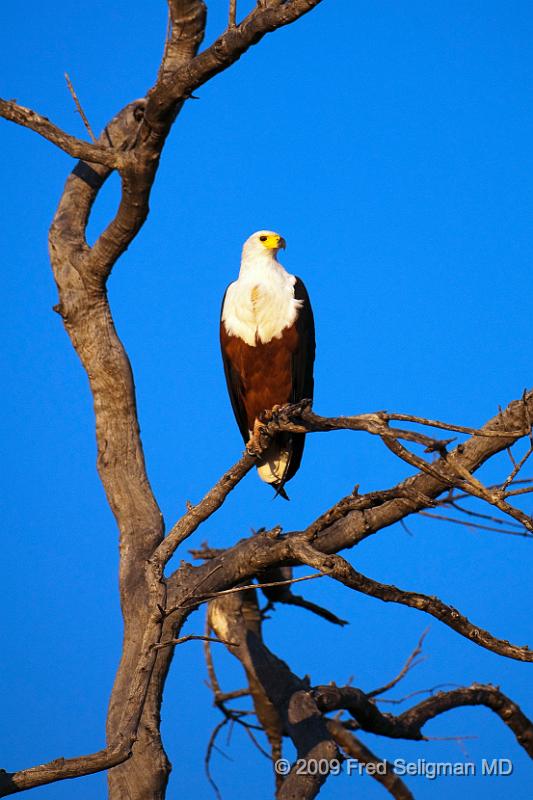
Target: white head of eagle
[267,340]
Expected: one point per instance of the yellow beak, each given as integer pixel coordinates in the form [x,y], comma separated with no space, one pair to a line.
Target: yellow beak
[274,242]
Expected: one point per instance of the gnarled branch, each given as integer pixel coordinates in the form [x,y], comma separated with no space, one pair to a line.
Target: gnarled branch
[409,724]
[77,148]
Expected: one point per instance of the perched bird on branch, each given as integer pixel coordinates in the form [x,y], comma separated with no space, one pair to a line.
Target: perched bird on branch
[267,338]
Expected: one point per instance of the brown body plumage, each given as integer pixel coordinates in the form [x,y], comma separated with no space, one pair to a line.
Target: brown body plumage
[264,370]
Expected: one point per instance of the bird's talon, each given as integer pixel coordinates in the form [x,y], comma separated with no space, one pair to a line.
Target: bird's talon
[253,449]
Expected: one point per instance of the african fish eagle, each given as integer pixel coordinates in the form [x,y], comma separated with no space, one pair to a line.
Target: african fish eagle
[267,338]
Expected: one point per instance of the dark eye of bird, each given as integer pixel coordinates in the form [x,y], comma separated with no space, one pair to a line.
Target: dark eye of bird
[262,238]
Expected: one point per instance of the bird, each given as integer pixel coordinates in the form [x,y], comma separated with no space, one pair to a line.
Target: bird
[267,340]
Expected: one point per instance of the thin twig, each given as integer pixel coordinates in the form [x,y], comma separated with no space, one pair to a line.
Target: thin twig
[253,737]
[192,638]
[398,700]
[453,495]
[205,597]
[224,697]
[445,426]
[490,517]
[409,664]
[81,112]
[516,469]
[477,525]
[525,490]
[213,680]
[207,759]
[232,13]
[458,738]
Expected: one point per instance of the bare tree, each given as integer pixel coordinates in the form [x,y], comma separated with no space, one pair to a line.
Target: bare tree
[155,607]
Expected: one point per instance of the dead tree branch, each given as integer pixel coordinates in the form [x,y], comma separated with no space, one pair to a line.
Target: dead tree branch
[338,568]
[62,768]
[77,148]
[477,694]
[409,724]
[354,748]
[278,590]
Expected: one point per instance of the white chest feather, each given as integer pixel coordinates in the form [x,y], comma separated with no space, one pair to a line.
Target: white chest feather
[260,304]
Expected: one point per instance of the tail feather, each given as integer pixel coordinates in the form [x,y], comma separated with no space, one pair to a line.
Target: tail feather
[280,491]
[281,460]
[274,465]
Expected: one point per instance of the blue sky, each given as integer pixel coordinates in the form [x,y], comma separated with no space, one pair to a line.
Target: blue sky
[391,145]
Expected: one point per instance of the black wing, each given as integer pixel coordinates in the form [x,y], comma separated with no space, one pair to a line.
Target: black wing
[304,357]
[233,382]
[302,370]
